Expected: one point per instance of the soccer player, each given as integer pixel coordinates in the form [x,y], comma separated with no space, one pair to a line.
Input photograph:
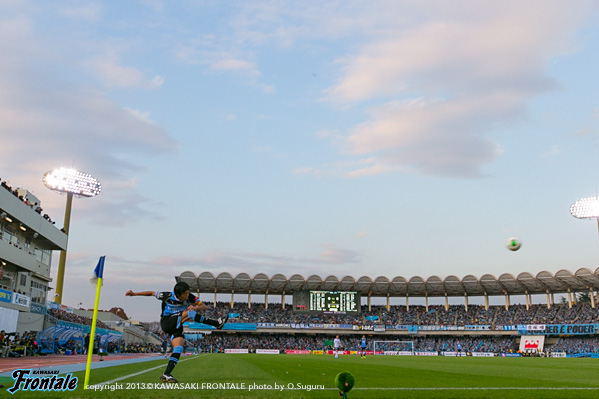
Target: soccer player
[178,307]
[336,346]
[459,349]
[363,346]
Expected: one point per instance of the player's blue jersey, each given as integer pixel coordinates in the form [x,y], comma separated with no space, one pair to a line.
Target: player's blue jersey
[171,305]
[363,342]
[459,346]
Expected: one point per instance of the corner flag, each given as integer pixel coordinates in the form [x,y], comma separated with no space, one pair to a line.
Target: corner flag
[98,274]
[98,271]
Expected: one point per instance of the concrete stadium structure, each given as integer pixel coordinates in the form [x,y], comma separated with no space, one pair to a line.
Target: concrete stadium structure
[506,285]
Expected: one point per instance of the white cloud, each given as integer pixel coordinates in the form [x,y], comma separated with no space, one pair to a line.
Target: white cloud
[112,74]
[56,123]
[443,85]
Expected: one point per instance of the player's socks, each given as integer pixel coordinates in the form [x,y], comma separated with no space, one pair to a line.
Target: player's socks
[219,323]
[173,360]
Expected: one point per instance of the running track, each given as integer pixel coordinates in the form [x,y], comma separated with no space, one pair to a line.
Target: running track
[71,363]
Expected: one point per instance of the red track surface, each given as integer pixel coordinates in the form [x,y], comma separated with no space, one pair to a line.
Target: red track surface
[12,363]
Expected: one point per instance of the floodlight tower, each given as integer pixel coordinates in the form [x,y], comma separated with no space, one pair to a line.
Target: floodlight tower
[586,208]
[72,183]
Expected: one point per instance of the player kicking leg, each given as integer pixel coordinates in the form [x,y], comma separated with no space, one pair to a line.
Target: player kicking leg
[178,307]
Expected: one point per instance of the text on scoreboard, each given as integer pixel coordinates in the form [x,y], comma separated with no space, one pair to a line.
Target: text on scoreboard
[326,301]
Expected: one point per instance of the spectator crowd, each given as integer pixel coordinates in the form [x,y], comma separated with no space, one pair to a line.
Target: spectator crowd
[454,315]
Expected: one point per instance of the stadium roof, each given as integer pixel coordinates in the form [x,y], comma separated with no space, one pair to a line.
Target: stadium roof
[506,284]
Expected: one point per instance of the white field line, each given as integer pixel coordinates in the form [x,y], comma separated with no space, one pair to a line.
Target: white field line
[144,371]
[475,389]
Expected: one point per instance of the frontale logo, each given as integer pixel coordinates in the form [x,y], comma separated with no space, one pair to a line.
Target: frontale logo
[24,382]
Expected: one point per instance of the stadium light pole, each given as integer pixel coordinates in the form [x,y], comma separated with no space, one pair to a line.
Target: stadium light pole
[586,208]
[72,183]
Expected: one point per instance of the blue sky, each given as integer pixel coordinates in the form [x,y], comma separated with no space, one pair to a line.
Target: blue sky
[394,138]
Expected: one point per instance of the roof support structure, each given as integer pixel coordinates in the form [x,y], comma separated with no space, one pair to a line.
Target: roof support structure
[525,284]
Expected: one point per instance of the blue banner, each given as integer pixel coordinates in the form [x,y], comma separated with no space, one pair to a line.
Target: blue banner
[229,326]
[557,329]
[568,329]
[37,308]
[5,296]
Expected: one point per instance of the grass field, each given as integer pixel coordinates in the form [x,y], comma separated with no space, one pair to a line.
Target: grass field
[313,377]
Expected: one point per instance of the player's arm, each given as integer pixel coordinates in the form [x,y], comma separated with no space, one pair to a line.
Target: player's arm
[200,306]
[142,293]
[197,305]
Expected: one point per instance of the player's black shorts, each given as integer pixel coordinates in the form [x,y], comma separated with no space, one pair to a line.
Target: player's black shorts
[172,325]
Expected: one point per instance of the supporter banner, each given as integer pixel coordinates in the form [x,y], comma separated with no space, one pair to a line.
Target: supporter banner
[266,325]
[236,351]
[300,325]
[558,354]
[5,296]
[20,299]
[511,355]
[318,352]
[331,326]
[229,326]
[363,328]
[439,328]
[397,353]
[570,329]
[284,325]
[52,305]
[233,315]
[297,352]
[426,353]
[267,351]
[506,328]
[316,325]
[556,329]
[402,327]
[483,354]
[379,328]
[372,318]
[37,308]
[346,326]
[478,328]
[531,327]
[532,343]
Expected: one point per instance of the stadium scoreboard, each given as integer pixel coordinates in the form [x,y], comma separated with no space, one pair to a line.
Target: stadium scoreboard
[326,302]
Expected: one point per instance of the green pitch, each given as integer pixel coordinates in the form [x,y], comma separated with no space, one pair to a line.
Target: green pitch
[313,376]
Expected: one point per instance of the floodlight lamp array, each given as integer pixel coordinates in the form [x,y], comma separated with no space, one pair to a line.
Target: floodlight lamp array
[585,208]
[72,181]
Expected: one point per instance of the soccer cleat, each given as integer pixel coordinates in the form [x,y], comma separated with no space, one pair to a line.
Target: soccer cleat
[222,321]
[168,378]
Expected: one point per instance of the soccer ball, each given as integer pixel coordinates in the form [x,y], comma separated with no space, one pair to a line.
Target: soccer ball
[513,244]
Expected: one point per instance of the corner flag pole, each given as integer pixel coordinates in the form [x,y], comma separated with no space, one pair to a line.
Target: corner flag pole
[98,273]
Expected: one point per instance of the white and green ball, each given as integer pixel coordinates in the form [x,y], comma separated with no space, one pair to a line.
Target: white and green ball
[513,244]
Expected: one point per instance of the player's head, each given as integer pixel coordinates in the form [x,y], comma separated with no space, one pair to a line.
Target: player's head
[181,290]
[363,336]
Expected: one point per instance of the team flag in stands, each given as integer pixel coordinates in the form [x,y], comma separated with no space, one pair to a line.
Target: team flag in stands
[98,275]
